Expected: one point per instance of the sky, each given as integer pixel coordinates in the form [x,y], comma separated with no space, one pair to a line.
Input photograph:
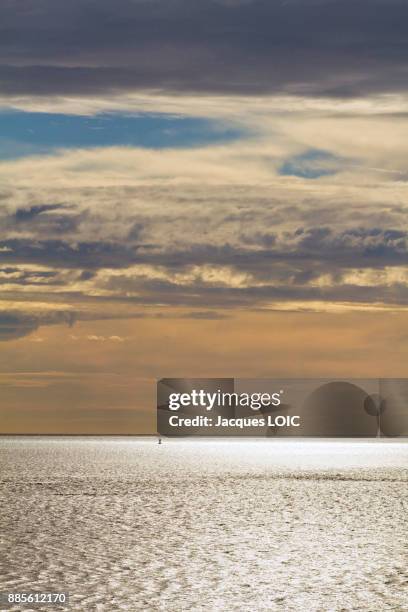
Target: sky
[201,188]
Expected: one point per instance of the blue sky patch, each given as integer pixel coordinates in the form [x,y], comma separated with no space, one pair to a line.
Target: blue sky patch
[312,164]
[25,133]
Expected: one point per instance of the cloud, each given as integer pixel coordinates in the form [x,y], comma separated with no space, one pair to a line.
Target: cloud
[205,315]
[219,227]
[24,317]
[54,219]
[328,47]
[27,214]
[67,254]
[94,338]
[15,324]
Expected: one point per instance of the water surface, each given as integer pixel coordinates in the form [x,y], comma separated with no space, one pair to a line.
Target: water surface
[126,524]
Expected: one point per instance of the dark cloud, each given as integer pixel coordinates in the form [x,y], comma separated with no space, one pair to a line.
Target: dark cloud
[46,218]
[19,276]
[351,248]
[135,231]
[326,47]
[299,251]
[254,296]
[27,214]
[66,254]
[206,315]
[15,324]
[203,249]
[286,270]
[86,275]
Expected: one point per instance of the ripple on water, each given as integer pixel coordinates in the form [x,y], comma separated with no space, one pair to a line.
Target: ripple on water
[199,525]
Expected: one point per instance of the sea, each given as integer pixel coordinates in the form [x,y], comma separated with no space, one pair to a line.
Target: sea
[125,523]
